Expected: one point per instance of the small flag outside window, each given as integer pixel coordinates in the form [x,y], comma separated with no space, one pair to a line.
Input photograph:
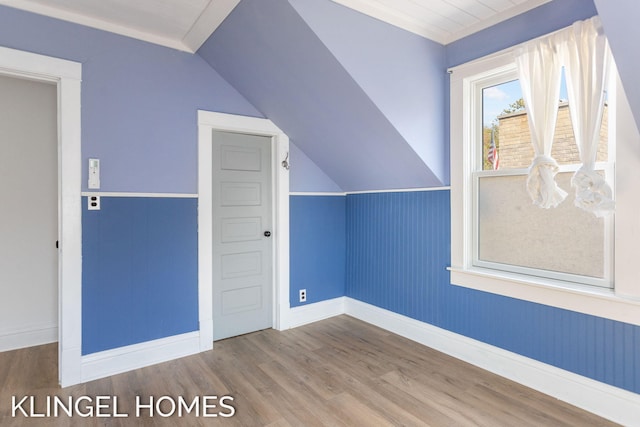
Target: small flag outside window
[492,154]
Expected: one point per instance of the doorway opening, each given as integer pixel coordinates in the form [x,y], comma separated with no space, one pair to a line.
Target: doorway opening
[66,77]
[29,226]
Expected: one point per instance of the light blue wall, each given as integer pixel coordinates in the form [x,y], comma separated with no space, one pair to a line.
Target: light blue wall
[544,19]
[401,72]
[139,101]
[271,55]
[139,116]
[318,247]
[398,247]
[620,20]
[306,176]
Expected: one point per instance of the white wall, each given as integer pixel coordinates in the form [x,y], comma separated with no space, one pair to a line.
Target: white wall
[29,212]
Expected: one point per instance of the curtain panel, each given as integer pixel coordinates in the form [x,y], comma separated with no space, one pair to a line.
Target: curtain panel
[586,59]
[584,52]
[540,72]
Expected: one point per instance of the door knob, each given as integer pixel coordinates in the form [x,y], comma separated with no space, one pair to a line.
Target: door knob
[267,233]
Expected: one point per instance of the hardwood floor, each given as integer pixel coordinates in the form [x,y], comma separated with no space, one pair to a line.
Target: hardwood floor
[337,372]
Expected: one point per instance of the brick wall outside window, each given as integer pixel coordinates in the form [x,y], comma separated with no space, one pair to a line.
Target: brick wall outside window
[514,140]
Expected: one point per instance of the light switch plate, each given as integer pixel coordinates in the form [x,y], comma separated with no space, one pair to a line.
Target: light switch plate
[94,174]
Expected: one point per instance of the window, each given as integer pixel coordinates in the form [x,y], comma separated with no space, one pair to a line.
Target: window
[500,242]
[511,233]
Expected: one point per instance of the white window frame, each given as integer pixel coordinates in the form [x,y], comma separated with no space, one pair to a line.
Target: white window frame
[622,302]
[505,74]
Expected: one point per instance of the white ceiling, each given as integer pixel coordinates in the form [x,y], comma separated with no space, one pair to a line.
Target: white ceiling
[180,24]
[443,21]
[186,24]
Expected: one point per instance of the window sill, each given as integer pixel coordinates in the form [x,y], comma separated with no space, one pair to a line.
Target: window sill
[584,299]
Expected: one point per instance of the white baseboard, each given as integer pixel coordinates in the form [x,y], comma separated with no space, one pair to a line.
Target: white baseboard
[310,313]
[28,336]
[123,359]
[118,360]
[609,402]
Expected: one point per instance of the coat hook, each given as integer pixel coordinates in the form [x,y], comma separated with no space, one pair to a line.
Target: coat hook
[285,162]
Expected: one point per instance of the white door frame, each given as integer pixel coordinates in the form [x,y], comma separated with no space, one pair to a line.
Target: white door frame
[67,75]
[208,122]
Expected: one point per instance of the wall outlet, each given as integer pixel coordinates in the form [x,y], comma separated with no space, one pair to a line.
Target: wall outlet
[93,203]
[303,295]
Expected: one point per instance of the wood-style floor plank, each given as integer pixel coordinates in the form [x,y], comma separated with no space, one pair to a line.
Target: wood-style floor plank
[337,372]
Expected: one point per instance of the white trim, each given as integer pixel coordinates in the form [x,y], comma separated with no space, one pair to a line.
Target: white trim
[610,402]
[205,236]
[317,193]
[508,72]
[346,193]
[207,122]
[310,313]
[123,359]
[67,75]
[28,336]
[399,190]
[70,218]
[38,67]
[593,300]
[208,21]
[130,194]
[112,27]
[210,18]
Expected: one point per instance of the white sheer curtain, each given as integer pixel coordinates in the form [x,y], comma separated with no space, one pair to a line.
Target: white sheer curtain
[586,59]
[540,72]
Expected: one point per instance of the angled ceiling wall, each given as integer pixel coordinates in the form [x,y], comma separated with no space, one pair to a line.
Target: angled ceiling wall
[401,72]
[620,21]
[365,102]
[366,113]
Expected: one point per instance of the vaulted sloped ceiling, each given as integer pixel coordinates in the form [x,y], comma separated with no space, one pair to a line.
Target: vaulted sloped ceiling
[620,21]
[402,73]
[368,112]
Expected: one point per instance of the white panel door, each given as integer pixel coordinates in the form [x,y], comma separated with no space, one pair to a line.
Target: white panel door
[28,213]
[242,242]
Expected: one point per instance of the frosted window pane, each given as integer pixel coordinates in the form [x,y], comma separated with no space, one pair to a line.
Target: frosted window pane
[513,231]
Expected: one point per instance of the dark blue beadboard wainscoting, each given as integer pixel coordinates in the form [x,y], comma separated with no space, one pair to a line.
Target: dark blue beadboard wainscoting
[139,271]
[398,246]
[318,247]
[389,250]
